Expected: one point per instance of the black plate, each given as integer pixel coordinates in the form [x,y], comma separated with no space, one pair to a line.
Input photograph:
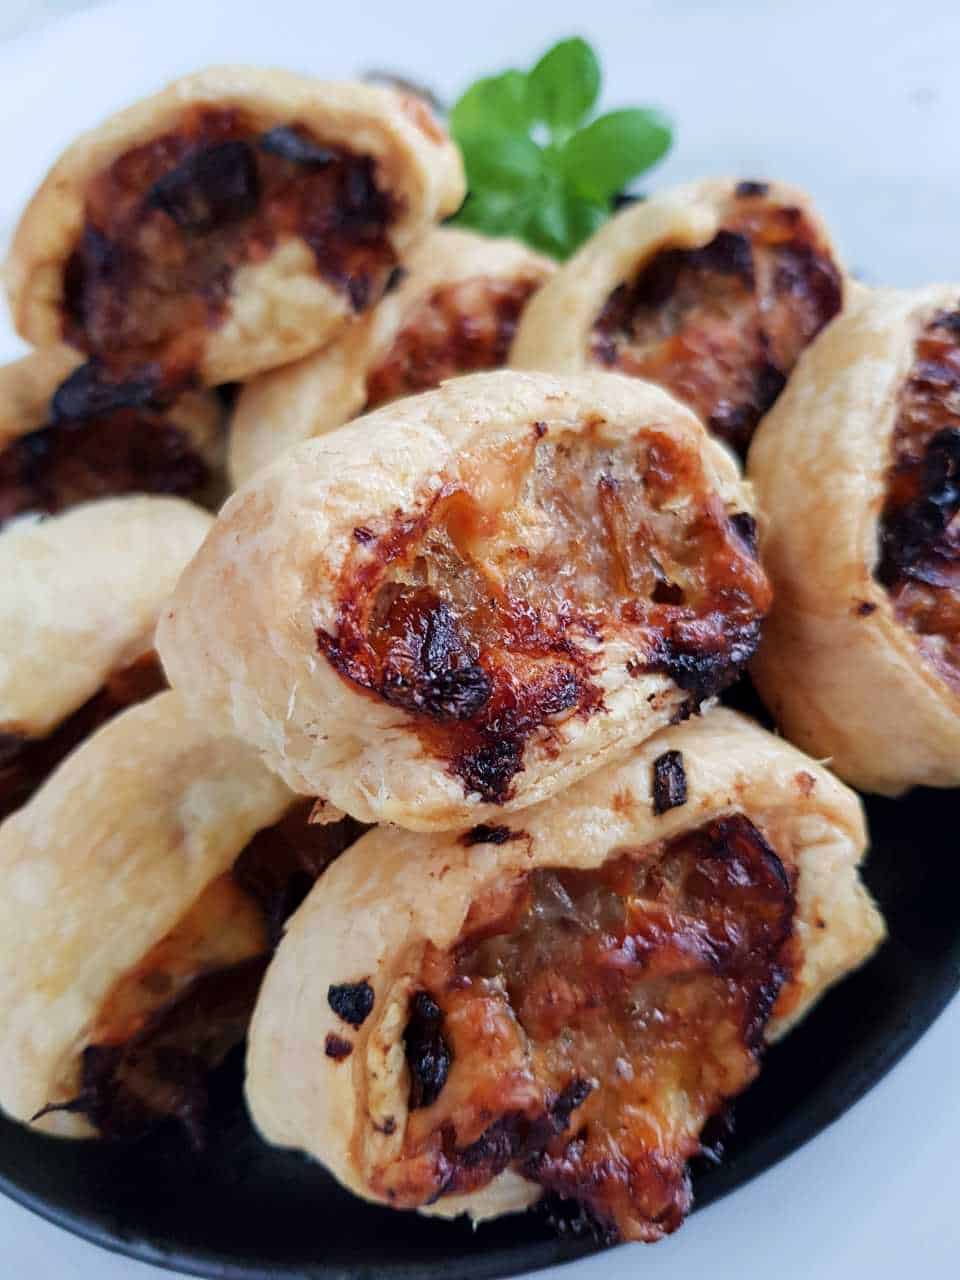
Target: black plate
[244,1210]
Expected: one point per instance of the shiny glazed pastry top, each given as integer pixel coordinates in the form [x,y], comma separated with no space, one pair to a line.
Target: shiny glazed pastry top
[230,223]
[857,471]
[454,309]
[711,290]
[460,603]
[460,1022]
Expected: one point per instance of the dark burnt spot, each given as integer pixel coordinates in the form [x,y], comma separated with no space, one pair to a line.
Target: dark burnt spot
[749,187]
[297,146]
[351,1001]
[865,608]
[488,771]
[746,527]
[26,762]
[949,321]
[483,834]
[211,188]
[387,1126]
[699,669]
[540,429]
[395,279]
[336,1047]
[363,535]
[669,782]
[914,541]
[431,668]
[91,391]
[427,1052]
[566,1102]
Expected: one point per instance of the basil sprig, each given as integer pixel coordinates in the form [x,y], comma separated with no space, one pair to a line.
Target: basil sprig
[537,167]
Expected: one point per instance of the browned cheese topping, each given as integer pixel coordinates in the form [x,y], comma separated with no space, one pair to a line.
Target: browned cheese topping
[26,762]
[480,615]
[722,326]
[168,224]
[170,1021]
[460,328]
[919,561]
[588,1023]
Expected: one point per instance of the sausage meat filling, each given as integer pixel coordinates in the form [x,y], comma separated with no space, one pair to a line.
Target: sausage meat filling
[122,452]
[722,326]
[172,1020]
[589,1023]
[919,561]
[482,615]
[168,223]
[25,762]
[460,328]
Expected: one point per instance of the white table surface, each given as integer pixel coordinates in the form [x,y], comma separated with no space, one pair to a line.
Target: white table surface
[860,102]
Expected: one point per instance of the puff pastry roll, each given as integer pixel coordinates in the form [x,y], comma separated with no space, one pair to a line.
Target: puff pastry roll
[179,856]
[65,438]
[858,474]
[460,603]
[454,311]
[80,595]
[459,1023]
[232,222]
[711,290]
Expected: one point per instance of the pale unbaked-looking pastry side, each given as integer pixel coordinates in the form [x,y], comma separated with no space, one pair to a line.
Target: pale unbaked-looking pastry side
[376,157]
[454,311]
[841,673]
[710,289]
[80,595]
[344,1022]
[459,604]
[105,861]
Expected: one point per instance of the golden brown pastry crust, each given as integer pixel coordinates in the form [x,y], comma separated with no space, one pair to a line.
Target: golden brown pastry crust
[555,330]
[241,636]
[844,679]
[106,858]
[279,308]
[80,595]
[393,892]
[329,387]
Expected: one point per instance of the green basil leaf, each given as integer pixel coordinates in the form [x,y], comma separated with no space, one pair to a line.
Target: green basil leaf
[501,161]
[604,156]
[497,213]
[560,221]
[564,84]
[495,102]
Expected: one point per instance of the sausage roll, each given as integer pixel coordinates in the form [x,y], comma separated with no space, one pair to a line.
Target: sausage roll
[454,311]
[79,599]
[233,222]
[458,1023]
[711,290]
[178,855]
[65,438]
[460,603]
[858,473]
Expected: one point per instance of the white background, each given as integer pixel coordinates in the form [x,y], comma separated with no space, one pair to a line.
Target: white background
[860,102]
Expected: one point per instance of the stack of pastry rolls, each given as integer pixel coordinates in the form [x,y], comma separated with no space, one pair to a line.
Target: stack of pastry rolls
[489,612]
